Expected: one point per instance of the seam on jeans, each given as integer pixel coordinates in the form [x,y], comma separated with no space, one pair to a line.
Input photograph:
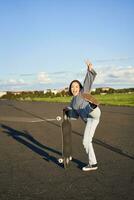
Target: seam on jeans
[88,135]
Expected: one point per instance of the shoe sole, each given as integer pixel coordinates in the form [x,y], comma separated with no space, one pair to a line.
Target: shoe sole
[90,169]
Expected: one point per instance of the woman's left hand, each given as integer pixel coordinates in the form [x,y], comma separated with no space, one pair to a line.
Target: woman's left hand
[89,65]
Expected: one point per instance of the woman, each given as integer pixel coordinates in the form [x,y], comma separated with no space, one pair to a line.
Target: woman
[85,106]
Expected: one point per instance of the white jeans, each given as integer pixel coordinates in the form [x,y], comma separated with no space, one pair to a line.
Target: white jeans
[90,128]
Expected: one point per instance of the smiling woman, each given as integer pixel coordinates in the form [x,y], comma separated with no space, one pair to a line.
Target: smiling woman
[75,87]
[87,110]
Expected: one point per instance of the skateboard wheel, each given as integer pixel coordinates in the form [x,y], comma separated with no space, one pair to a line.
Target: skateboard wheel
[58,118]
[70,158]
[67,161]
[60,160]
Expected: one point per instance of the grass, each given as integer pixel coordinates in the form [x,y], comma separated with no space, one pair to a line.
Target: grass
[53,99]
[116,99]
[107,99]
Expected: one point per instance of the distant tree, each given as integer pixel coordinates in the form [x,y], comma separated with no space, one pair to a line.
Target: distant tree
[111,90]
[63,93]
[58,94]
[98,90]
[49,94]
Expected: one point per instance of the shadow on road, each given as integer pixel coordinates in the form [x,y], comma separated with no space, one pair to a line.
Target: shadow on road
[28,140]
[96,141]
[104,144]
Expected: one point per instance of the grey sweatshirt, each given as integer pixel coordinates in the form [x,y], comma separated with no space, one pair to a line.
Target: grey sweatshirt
[79,106]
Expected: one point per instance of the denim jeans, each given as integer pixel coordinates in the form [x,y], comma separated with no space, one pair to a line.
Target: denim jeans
[92,122]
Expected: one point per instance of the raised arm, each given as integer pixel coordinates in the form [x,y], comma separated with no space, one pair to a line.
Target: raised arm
[89,78]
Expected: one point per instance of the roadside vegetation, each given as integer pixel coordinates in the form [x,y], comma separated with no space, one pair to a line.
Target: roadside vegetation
[121,97]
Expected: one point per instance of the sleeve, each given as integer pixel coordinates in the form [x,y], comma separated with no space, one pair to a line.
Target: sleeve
[89,78]
[70,112]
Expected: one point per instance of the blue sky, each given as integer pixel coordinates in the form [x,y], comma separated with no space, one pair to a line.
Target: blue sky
[43,43]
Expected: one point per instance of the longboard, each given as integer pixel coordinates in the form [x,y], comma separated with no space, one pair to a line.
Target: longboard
[66,131]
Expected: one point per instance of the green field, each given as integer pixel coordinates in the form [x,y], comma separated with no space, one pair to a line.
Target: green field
[116,99]
[107,99]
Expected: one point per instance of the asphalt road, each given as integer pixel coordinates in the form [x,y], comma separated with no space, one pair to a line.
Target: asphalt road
[30,147]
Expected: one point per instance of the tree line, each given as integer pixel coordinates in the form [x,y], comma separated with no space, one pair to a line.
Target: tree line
[33,94]
[40,94]
[112,90]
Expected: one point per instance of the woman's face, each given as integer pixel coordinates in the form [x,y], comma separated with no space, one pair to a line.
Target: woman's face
[75,88]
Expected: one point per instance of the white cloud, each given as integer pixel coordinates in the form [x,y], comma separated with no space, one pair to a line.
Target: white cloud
[108,75]
[115,75]
[112,76]
[126,58]
[42,77]
[14,82]
[11,82]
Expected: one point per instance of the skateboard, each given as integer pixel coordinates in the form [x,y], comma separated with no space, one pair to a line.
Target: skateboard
[66,132]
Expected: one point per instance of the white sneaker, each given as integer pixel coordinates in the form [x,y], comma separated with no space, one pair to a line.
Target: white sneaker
[90,167]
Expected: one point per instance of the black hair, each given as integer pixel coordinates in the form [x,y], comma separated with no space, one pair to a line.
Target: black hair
[81,87]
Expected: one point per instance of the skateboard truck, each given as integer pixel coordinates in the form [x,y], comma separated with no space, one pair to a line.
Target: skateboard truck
[61,160]
[58,118]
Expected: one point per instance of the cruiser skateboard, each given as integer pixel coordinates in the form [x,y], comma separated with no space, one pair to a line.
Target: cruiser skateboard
[66,132]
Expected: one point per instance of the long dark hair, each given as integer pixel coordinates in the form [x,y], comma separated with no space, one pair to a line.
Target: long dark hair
[71,86]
